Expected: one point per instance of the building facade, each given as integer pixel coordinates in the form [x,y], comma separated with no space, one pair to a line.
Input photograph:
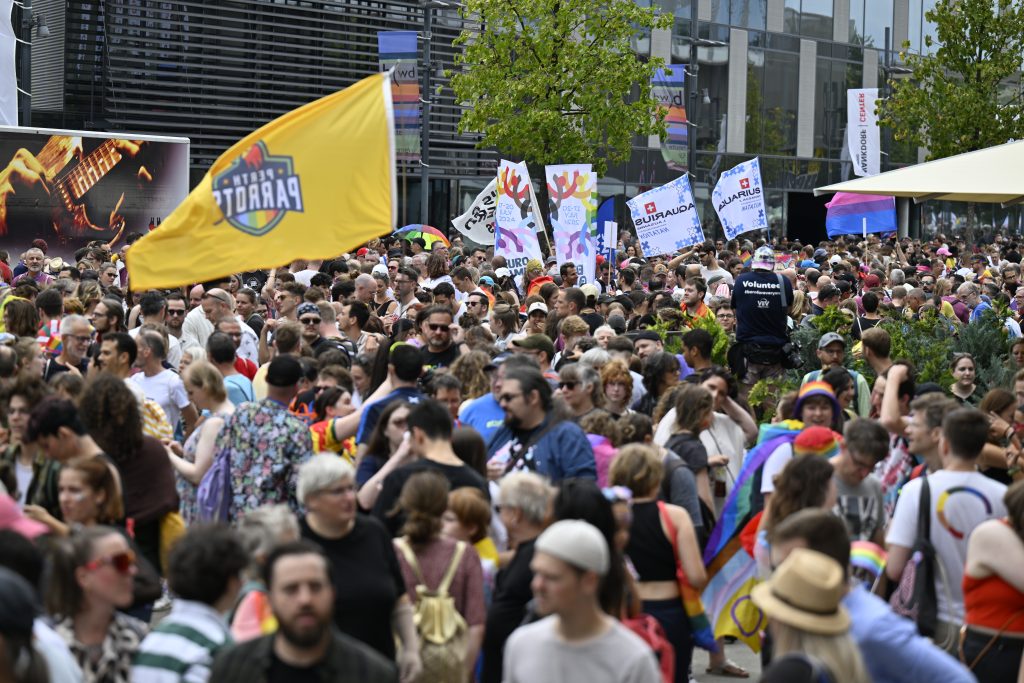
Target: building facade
[772,82]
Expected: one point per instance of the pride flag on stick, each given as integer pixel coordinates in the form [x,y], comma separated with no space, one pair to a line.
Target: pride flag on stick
[859,214]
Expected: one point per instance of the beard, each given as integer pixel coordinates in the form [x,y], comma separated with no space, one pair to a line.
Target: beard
[512,421]
[304,637]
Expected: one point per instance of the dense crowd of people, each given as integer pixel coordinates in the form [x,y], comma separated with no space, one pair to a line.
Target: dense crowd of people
[407,464]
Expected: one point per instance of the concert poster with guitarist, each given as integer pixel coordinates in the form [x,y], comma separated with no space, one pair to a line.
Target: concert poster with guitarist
[72,187]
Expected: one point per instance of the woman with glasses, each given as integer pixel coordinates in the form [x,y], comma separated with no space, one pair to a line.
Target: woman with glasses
[369,591]
[205,387]
[580,386]
[93,579]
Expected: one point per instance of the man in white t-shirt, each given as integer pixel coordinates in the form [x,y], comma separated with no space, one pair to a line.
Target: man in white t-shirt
[961,499]
[578,643]
[160,384]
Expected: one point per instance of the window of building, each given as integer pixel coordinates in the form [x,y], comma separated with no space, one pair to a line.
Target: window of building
[810,18]
[740,13]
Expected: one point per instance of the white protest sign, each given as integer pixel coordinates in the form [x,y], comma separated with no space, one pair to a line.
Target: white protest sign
[478,222]
[863,135]
[514,218]
[666,218]
[572,191]
[738,199]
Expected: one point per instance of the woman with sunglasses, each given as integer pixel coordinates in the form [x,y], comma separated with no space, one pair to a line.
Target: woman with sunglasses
[580,386]
[93,579]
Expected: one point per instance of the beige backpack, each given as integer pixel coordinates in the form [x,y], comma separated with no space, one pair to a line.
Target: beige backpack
[441,628]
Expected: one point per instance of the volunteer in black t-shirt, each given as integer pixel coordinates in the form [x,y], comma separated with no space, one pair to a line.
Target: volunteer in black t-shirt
[761,299]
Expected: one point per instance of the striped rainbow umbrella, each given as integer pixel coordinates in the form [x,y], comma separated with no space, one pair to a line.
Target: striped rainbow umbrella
[428,233]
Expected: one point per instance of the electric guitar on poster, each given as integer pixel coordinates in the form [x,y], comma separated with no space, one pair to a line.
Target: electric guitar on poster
[70,182]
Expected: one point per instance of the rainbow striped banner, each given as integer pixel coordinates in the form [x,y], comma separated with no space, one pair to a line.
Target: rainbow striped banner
[669,88]
[398,49]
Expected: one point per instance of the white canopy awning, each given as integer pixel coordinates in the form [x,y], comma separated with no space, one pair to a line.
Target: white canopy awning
[993,176]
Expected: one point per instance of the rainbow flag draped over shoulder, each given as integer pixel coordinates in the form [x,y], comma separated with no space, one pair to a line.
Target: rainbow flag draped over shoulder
[729,557]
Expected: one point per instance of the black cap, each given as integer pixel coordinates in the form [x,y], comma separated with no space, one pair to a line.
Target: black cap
[284,371]
[649,335]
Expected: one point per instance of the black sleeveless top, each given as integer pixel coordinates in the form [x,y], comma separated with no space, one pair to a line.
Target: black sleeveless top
[649,549]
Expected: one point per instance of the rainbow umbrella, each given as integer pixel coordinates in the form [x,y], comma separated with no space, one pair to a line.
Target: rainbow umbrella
[428,233]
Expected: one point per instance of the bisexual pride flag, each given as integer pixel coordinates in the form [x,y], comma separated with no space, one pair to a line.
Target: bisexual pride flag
[859,214]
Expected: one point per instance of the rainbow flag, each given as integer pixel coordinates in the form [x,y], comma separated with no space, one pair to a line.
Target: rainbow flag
[859,214]
[868,556]
[732,572]
[700,627]
[747,258]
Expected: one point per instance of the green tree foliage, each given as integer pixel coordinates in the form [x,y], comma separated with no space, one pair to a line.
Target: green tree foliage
[557,81]
[955,99]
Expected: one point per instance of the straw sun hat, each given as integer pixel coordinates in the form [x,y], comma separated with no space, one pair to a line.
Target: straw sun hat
[804,592]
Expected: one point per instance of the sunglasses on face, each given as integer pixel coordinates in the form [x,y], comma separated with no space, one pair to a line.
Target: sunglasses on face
[173,311]
[567,385]
[121,562]
[309,321]
[438,328]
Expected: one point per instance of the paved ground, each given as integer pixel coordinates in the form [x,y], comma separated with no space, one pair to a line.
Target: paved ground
[738,653]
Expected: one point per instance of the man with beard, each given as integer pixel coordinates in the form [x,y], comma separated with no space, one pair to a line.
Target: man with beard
[439,352]
[534,437]
[831,352]
[304,648]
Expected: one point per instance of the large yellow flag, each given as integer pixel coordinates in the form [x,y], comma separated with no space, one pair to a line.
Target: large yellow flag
[312,184]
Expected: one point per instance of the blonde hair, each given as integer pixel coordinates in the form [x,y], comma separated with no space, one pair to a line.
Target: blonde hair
[838,653]
[574,325]
[202,375]
[638,468]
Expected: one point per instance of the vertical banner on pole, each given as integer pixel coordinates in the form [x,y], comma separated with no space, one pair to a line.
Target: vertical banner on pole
[669,89]
[515,235]
[738,199]
[398,49]
[863,135]
[572,191]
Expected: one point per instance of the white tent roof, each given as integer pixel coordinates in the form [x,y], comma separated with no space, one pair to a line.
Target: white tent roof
[993,175]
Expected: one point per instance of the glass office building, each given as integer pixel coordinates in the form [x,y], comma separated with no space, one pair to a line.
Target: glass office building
[772,82]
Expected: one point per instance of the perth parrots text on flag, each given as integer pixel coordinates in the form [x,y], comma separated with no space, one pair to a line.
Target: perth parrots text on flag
[312,184]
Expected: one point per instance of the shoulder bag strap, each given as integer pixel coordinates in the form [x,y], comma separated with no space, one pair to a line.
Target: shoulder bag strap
[410,557]
[446,582]
[924,509]
[782,291]
[529,443]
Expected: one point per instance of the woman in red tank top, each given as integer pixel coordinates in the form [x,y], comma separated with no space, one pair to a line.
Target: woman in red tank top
[992,639]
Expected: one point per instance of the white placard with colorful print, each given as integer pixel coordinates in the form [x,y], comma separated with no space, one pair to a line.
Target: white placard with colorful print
[515,221]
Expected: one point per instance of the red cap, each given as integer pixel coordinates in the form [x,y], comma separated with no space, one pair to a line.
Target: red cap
[363,252]
[600,259]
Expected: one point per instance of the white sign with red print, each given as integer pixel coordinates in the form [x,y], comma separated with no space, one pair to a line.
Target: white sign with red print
[666,218]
